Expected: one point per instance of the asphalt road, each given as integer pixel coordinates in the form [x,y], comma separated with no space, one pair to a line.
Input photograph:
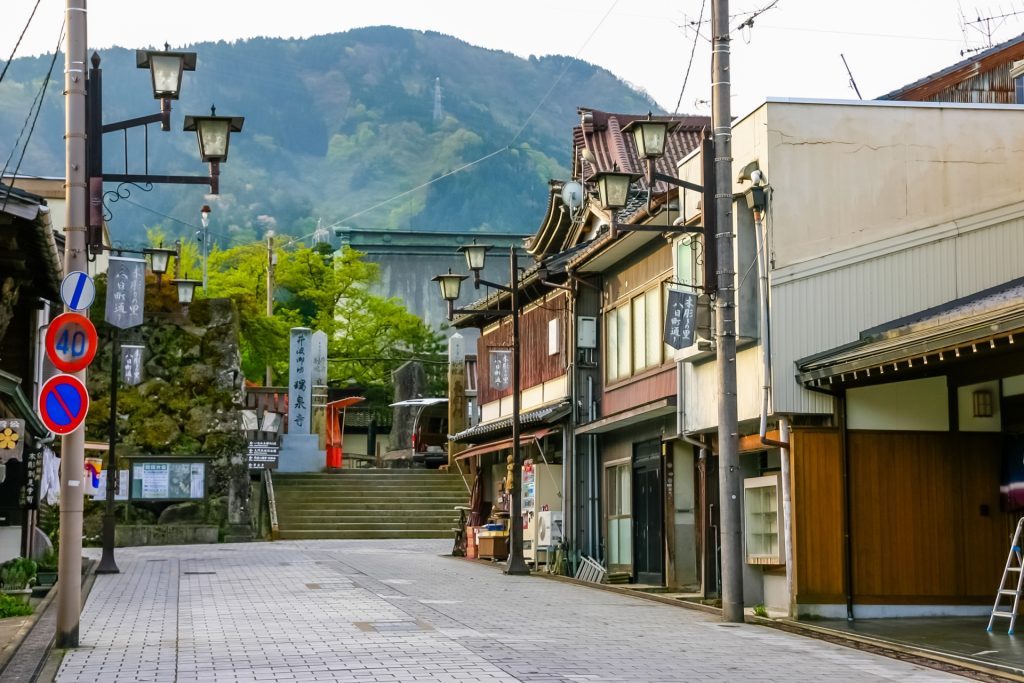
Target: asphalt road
[399,611]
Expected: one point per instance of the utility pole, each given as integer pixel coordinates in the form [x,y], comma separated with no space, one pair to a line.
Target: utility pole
[72,465]
[271,262]
[731,522]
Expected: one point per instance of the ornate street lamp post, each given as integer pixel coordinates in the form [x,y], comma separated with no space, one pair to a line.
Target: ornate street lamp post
[476,256]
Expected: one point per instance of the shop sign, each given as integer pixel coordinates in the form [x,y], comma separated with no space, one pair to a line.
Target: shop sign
[681,319]
[12,438]
[501,369]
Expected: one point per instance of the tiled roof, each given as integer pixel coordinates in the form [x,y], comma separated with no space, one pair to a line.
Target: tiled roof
[487,430]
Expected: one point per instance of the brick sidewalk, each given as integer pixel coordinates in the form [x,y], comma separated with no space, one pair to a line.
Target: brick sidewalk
[396,611]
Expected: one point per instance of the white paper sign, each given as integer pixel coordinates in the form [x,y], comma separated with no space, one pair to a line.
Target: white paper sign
[300,380]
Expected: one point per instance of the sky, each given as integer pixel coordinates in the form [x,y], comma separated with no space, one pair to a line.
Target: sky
[792,50]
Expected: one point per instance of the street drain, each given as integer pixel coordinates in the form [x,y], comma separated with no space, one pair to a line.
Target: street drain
[198,573]
[393,626]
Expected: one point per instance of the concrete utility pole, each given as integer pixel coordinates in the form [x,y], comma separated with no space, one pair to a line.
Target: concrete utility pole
[271,262]
[72,461]
[729,482]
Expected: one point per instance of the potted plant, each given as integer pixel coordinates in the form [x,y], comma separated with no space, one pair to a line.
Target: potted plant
[46,568]
[16,577]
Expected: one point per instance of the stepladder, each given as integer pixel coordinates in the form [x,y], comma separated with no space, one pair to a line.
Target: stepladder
[1008,595]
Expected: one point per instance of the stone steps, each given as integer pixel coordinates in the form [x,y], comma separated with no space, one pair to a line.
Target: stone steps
[302,535]
[364,504]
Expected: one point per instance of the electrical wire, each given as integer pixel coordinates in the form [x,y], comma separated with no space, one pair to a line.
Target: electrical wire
[37,103]
[693,51]
[505,148]
[15,50]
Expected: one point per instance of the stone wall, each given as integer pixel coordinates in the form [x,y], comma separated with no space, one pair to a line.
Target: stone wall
[188,401]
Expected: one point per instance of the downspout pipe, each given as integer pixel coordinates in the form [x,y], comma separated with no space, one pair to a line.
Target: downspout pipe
[782,443]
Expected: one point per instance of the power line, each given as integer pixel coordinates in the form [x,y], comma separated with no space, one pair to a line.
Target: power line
[13,51]
[38,108]
[693,51]
[506,147]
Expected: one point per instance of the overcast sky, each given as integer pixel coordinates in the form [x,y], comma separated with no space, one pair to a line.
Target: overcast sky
[793,49]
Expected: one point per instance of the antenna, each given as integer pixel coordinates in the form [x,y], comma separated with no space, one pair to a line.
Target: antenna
[853,83]
[985,25]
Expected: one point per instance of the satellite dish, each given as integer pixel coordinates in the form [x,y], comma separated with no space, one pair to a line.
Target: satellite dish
[572,195]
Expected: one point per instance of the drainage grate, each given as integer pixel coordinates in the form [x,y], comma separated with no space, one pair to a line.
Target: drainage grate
[198,573]
[393,626]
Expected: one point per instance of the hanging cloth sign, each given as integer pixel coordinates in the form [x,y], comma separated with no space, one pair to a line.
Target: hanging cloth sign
[680,319]
[131,363]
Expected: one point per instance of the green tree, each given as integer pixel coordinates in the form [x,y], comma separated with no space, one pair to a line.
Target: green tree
[368,335]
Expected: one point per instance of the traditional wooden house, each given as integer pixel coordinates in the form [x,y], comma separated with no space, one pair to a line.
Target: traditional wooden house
[30,274]
[883,341]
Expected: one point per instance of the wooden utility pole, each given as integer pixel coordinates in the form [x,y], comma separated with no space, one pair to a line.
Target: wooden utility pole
[725,322]
[271,263]
[72,460]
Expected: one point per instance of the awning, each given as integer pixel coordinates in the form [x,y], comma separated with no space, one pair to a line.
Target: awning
[491,447]
[10,386]
[982,323]
[545,415]
[627,418]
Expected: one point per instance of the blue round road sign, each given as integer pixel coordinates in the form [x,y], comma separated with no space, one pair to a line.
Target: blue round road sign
[77,291]
[63,404]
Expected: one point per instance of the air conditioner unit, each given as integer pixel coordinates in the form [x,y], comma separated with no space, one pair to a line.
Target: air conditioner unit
[549,529]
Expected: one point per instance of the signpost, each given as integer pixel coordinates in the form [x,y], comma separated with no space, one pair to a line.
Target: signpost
[71,342]
[263,454]
[77,291]
[300,380]
[63,404]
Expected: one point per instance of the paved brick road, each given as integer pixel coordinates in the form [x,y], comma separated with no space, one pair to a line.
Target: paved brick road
[396,611]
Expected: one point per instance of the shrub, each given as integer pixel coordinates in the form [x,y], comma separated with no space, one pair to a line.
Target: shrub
[17,574]
[760,611]
[48,562]
[12,607]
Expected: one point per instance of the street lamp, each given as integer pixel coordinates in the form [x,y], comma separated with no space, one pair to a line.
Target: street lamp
[204,214]
[166,68]
[158,264]
[451,283]
[186,289]
[719,265]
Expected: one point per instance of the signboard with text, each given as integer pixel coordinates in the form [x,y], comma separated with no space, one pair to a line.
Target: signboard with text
[500,369]
[263,454]
[319,358]
[680,319]
[126,292]
[168,480]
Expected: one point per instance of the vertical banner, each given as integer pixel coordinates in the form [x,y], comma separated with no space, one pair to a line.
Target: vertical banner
[501,369]
[319,357]
[126,291]
[681,319]
[300,376]
[131,364]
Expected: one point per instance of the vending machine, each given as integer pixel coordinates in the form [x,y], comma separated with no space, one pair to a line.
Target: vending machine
[542,492]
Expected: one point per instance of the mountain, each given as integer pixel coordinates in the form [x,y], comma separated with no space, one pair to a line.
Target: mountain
[335,126]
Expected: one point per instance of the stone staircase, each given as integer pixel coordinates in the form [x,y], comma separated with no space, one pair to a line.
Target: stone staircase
[368,503]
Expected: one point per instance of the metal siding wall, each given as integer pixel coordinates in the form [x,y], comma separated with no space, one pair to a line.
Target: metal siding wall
[826,310]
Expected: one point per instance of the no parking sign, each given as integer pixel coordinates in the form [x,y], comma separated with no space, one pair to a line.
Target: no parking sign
[63,404]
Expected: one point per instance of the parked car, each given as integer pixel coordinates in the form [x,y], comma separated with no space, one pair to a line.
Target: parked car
[430,430]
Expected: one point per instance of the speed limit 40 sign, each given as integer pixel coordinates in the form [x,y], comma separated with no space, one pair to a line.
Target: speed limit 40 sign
[71,342]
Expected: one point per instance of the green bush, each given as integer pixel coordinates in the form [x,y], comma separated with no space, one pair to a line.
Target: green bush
[760,611]
[17,574]
[48,562]
[12,607]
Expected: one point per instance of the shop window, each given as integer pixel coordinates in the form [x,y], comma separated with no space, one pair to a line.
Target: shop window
[761,520]
[620,516]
